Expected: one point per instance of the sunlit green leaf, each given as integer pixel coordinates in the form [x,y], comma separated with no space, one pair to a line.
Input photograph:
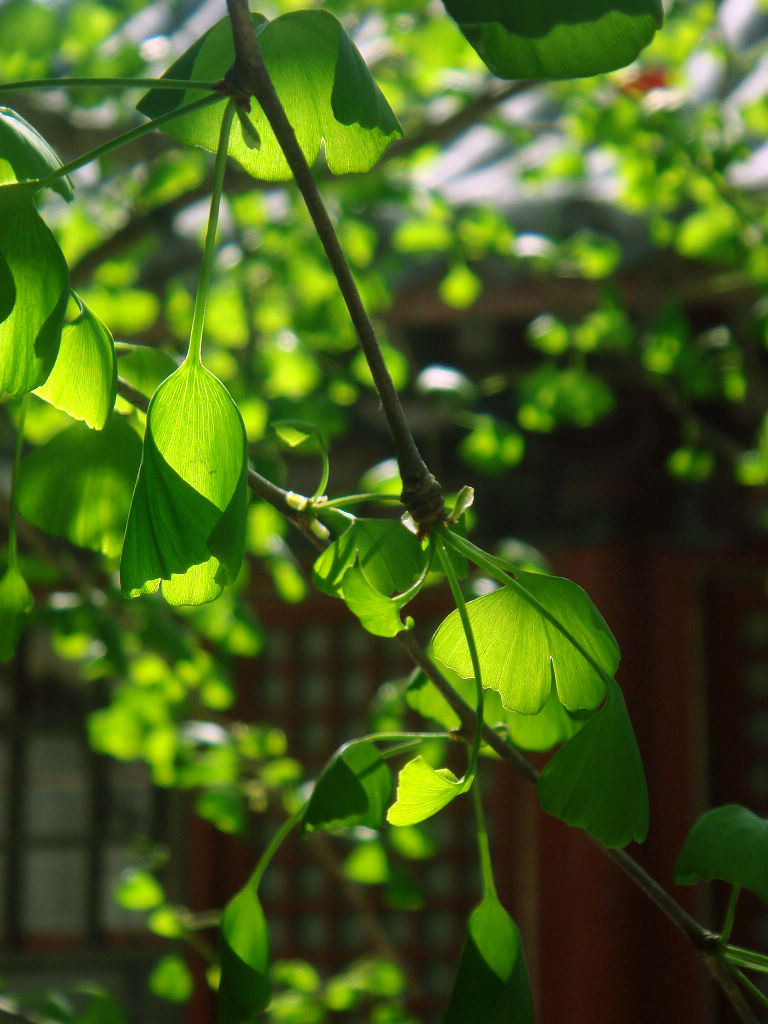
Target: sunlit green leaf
[36,290]
[491,984]
[138,890]
[423,791]
[79,484]
[367,864]
[556,38]
[83,381]
[379,614]
[321,79]
[187,521]
[355,788]
[171,979]
[596,780]
[25,155]
[390,556]
[15,605]
[729,843]
[244,989]
[521,650]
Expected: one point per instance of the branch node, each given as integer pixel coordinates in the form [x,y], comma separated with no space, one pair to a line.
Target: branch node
[423,499]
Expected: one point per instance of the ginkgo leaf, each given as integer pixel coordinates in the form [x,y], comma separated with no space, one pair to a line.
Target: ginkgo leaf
[556,38]
[79,484]
[391,557]
[379,614]
[596,780]
[25,155]
[327,91]
[15,605]
[522,651]
[423,791]
[83,381]
[355,788]
[187,521]
[244,988]
[34,288]
[729,843]
[491,984]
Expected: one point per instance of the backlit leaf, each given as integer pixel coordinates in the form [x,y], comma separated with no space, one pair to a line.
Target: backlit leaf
[596,780]
[521,650]
[327,91]
[491,984]
[187,521]
[244,988]
[25,155]
[171,979]
[15,605]
[138,890]
[729,843]
[83,381]
[379,614]
[391,557]
[423,791]
[35,289]
[79,484]
[355,788]
[556,38]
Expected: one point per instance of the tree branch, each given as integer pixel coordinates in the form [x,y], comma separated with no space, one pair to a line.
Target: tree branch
[421,495]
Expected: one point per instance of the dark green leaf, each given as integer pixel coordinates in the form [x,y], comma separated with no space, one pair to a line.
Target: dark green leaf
[355,788]
[25,155]
[327,91]
[556,38]
[391,557]
[730,843]
[79,484]
[37,289]
[596,780]
[521,651]
[83,381]
[491,985]
[244,989]
[187,521]
[15,606]
[423,791]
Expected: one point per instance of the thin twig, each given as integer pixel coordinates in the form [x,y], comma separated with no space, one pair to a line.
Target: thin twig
[248,76]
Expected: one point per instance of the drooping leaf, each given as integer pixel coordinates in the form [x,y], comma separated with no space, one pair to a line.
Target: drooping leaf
[521,651]
[15,605]
[35,289]
[244,989]
[25,155]
[491,984]
[423,791]
[354,788]
[539,732]
[556,38]
[187,521]
[729,843]
[596,780]
[327,91]
[79,484]
[379,614]
[83,381]
[390,556]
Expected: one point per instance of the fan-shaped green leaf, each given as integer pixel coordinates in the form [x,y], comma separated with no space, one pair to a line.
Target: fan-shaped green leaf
[423,791]
[730,843]
[391,557]
[244,989]
[83,380]
[355,788]
[542,731]
[596,780]
[35,289]
[491,984]
[321,79]
[522,651]
[79,484]
[187,521]
[25,155]
[379,614]
[15,605]
[556,38]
